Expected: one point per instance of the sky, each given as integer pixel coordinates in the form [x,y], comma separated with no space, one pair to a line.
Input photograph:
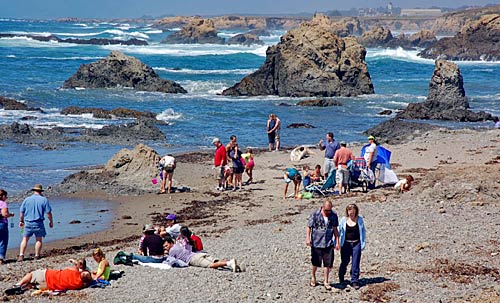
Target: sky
[46,9]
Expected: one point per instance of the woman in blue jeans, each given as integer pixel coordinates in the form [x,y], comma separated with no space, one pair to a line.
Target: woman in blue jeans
[352,235]
[4,225]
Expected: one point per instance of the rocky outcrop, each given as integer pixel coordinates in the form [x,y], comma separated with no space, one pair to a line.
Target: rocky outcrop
[477,40]
[11,104]
[452,23]
[93,41]
[127,172]
[396,131]
[348,27]
[446,100]
[382,37]
[260,32]
[300,125]
[138,131]
[199,31]
[309,61]
[319,103]
[108,114]
[119,70]
[245,39]
[27,134]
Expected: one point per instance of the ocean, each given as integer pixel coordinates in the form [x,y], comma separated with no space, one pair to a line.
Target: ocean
[33,72]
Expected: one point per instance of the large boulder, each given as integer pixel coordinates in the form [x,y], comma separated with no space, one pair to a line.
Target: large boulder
[141,130]
[120,70]
[477,40]
[245,39]
[198,31]
[382,37]
[127,172]
[423,38]
[108,114]
[319,103]
[446,100]
[376,37]
[309,61]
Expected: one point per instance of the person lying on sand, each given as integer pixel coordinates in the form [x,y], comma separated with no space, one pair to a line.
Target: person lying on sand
[198,259]
[70,278]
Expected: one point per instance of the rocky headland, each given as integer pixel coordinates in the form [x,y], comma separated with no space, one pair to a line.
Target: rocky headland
[477,40]
[309,61]
[451,23]
[119,70]
[198,31]
[446,99]
[92,41]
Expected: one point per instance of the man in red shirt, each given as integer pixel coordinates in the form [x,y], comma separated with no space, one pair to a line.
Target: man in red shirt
[220,160]
[342,156]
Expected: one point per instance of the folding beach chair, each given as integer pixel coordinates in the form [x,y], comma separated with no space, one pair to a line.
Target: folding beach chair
[323,187]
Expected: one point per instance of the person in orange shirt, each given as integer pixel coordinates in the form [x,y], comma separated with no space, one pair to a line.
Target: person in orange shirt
[342,156]
[70,278]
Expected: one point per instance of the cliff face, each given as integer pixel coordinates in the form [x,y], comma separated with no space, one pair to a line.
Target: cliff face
[452,23]
[310,61]
[198,31]
[234,22]
[477,40]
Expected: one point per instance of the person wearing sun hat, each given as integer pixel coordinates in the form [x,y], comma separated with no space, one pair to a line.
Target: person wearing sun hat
[31,216]
[371,157]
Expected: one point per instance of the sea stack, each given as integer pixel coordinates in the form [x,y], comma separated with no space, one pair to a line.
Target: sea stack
[198,31]
[119,70]
[446,100]
[310,61]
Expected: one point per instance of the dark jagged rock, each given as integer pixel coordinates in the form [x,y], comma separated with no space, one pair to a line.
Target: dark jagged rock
[93,41]
[477,40]
[245,39]
[27,134]
[320,103]
[309,61]
[300,125]
[198,31]
[26,118]
[138,131]
[120,70]
[382,37]
[11,104]
[395,131]
[108,114]
[385,112]
[284,104]
[260,32]
[446,100]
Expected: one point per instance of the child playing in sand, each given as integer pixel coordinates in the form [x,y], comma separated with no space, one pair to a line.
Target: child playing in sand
[316,174]
[103,268]
[249,164]
[404,184]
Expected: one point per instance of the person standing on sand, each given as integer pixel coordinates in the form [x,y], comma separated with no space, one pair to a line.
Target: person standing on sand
[167,165]
[220,160]
[320,233]
[4,225]
[371,158]
[31,216]
[273,132]
[342,156]
[330,147]
[352,236]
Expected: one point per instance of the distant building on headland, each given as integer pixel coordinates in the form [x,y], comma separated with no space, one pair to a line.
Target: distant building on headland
[420,12]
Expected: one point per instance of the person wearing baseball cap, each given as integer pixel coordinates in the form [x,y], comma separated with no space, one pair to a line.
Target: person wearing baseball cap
[173,228]
[31,216]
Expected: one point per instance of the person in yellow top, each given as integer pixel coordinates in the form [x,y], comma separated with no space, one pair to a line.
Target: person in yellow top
[103,268]
[249,164]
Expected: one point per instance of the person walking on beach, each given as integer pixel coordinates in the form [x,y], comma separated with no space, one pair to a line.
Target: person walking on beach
[31,216]
[322,236]
[273,132]
[220,160]
[352,236]
[249,164]
[342,156]
[330,147]
[4,225]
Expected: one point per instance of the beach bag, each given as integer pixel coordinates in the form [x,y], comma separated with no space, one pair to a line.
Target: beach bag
[307,195]
[198,245]
[123,258]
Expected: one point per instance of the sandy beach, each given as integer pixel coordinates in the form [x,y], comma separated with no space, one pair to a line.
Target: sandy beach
[437,242]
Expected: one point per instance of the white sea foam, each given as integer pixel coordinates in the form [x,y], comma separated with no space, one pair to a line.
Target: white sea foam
[243,71]
[189,49]
[67,58]
[81,24]
[396,54]
[203,88]
[168,115]
[153,31]
[11,56]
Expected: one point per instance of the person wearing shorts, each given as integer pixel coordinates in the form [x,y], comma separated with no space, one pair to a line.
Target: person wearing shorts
[341,158]
[31,216]
[220,160]
[168,165]
[203,260]
[322,236]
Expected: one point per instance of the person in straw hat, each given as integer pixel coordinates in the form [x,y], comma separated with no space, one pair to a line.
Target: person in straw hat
[31,216]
